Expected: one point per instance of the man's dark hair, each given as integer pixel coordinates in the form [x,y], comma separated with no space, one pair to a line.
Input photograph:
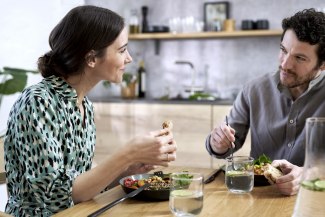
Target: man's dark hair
[309,26]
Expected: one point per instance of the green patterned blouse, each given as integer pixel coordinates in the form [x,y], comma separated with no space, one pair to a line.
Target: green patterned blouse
[47,146]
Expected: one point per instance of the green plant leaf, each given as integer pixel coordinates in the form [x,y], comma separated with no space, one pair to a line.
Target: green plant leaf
[17,81]
[16,84]
[13,70]
[127,78]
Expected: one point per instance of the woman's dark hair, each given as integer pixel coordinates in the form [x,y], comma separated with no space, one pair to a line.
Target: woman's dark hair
[83,29]
[309,26]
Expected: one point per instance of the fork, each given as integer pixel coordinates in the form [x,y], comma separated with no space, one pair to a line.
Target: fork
[231,149]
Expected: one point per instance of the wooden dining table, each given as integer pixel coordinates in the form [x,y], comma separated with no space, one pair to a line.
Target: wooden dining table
[218,201]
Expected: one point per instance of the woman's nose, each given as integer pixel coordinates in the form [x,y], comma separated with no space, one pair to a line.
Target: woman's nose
[128,58]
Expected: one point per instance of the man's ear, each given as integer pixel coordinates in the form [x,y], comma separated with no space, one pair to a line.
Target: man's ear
[91,58]
[322,67]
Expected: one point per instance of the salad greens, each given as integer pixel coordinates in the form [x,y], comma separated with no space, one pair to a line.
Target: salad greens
[184,179]
[262,160]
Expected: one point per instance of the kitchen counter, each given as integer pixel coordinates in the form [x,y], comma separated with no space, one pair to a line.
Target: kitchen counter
[169,101]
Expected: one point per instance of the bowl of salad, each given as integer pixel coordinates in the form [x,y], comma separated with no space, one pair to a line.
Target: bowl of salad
[158,189]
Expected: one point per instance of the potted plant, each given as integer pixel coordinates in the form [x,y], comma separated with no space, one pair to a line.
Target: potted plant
[128,86]
[12,80]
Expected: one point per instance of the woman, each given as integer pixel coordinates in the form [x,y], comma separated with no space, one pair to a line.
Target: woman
[50,140]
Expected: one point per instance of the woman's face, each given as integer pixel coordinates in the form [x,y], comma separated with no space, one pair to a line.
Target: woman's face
[111,66]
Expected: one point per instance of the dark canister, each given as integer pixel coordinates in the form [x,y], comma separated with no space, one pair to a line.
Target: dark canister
[247,24]
[262,24]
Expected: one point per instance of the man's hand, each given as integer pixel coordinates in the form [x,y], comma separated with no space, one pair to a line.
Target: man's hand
[289,183]
[222,138]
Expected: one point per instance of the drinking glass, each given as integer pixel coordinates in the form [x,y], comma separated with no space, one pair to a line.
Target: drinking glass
[239,174]
[186,193]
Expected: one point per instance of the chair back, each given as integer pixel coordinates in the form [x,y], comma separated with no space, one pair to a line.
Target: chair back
[2,163]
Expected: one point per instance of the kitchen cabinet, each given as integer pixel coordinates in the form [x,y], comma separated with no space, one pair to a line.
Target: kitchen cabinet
[117,123]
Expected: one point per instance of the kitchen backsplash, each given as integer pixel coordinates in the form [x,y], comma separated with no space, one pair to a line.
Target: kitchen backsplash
[222,65]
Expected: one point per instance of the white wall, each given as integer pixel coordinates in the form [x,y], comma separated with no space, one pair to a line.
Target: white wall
[25,27]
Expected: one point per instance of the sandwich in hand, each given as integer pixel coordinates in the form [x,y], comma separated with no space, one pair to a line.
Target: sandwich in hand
[167,124]
[271,173]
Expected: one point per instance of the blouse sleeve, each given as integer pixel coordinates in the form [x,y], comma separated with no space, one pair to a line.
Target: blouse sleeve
[43,155]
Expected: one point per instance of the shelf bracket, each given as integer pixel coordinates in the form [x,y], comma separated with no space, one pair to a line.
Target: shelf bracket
[157,47]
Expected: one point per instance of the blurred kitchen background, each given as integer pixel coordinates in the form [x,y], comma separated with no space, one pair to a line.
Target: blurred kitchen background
[222,65]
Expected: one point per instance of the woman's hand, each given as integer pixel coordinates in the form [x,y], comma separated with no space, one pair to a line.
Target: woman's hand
[222,138]
[289,183]
[139,168]
[157,148]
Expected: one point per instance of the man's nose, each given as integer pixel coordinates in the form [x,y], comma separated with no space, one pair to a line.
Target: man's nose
[286,62]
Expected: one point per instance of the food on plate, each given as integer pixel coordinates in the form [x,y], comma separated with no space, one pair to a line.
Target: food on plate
[156,183]
[263,168]
[260,163]
[184,179]
[271,173]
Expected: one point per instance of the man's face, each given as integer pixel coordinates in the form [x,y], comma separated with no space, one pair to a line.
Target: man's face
[298,61]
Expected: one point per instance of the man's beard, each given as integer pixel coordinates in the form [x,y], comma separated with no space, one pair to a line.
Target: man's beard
[294,80]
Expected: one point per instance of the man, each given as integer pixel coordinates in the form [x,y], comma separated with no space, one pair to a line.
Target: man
[275,106]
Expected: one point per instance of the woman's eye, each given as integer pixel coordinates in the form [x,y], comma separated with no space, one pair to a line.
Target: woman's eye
[123,50]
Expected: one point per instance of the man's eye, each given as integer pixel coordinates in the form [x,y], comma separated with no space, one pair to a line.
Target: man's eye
[299,58]
[283,50]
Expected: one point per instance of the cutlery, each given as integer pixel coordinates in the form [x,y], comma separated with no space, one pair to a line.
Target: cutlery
[231,149]
[110,205]
[212,176]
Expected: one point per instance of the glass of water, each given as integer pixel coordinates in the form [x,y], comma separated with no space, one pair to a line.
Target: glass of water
[239,174]
[186,194]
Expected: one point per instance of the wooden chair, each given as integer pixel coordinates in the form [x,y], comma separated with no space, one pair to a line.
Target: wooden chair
[2,164]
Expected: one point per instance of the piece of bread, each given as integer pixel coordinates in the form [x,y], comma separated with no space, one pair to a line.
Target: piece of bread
[271,173]
[167,124]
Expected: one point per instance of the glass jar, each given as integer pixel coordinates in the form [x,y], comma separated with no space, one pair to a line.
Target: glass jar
[311,196]
[134,26]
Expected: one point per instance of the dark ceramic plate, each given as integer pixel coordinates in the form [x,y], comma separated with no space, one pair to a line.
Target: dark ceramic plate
[157,195]
[260,180]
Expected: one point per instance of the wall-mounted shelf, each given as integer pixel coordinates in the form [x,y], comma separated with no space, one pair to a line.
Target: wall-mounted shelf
[205,35]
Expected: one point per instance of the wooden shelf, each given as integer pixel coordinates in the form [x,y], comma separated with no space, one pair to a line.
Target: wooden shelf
[206,35]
